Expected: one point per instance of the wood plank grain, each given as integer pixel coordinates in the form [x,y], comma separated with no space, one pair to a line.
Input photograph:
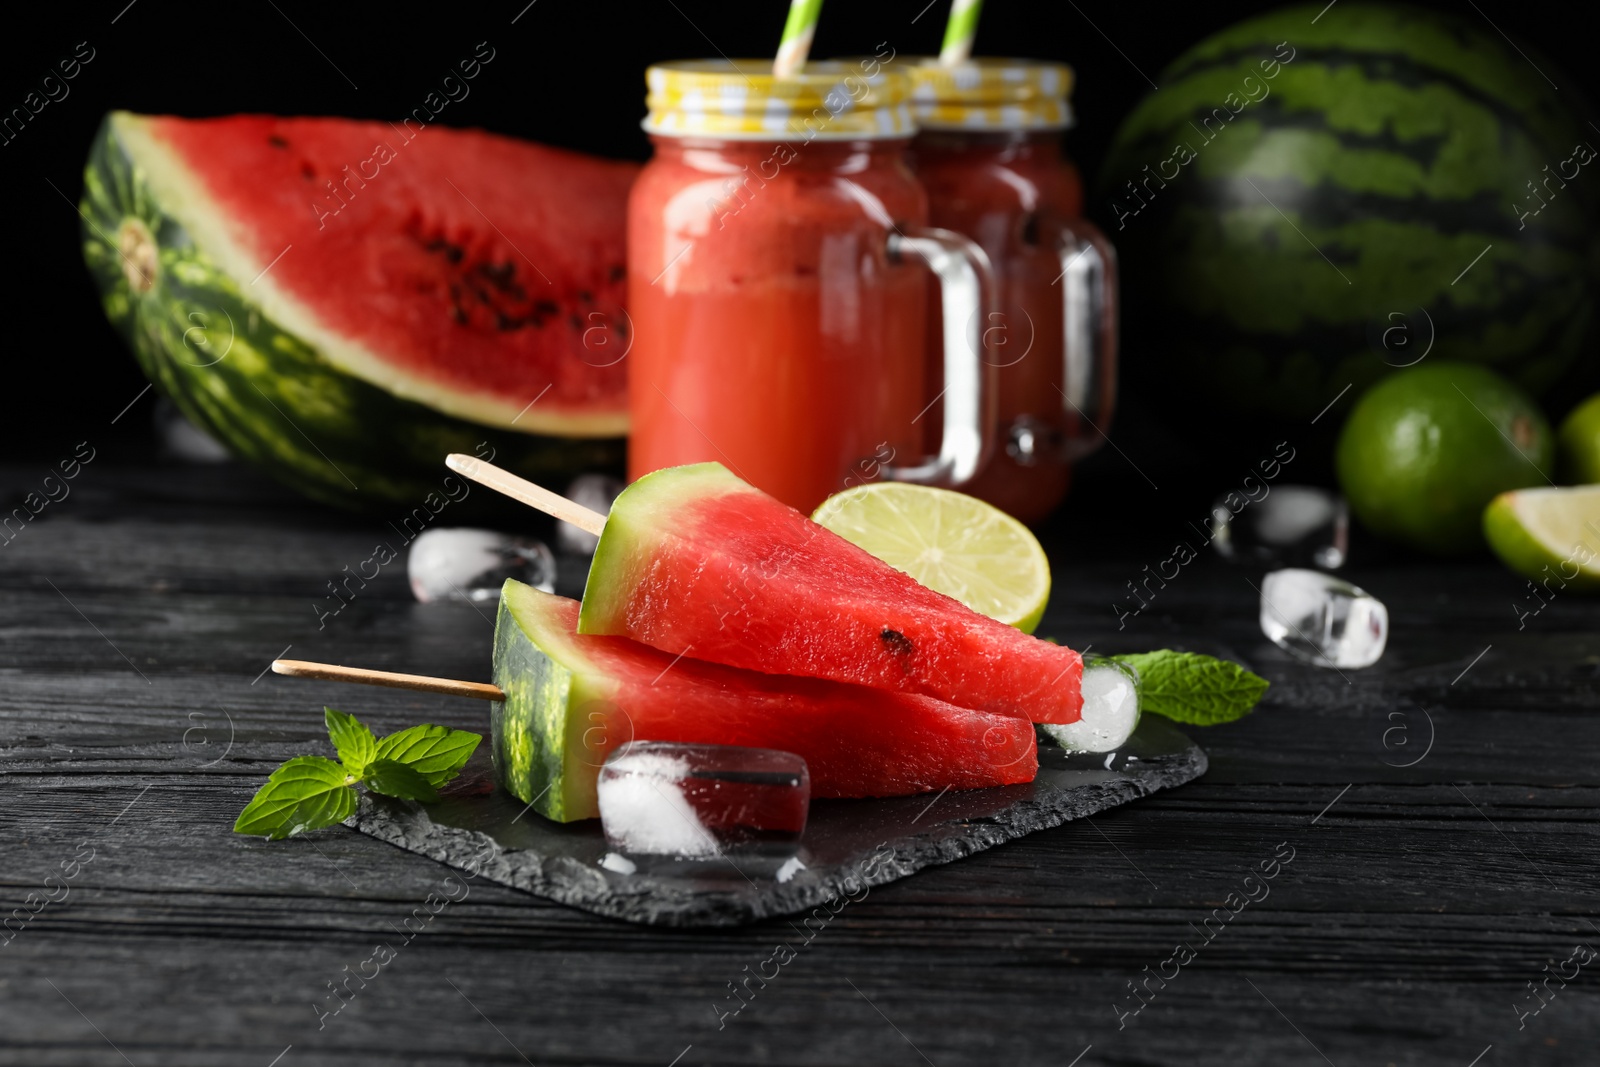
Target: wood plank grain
[1420,902]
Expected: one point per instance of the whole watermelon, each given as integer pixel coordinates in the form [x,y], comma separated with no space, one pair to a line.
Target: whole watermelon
[1314,197]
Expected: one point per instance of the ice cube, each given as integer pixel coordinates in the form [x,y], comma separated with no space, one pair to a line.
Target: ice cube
[1323,620]
[660,798]
[1291,525]
[459,564]
[181,439]
[1110,709]
[595,492]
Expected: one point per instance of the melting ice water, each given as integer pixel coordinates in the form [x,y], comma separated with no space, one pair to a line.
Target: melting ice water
[659,798]
[1292,524]
[1323,620]
[595,492]
[1110,709]
[613,861]
[455,564]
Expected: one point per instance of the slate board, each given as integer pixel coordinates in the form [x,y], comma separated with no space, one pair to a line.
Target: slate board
[848,845]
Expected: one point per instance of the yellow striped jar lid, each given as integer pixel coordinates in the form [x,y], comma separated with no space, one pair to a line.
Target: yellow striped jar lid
[742,100]
[991,94]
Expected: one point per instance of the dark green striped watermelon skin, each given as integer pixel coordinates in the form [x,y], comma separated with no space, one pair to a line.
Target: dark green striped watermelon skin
[1319,237]
[263,392]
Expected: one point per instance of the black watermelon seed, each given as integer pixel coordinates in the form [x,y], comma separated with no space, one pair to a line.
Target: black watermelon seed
[897,642]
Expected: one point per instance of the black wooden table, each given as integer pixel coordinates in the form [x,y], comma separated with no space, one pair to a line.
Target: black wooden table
[1432,818]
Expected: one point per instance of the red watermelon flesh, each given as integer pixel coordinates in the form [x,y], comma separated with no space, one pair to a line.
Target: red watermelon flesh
[695,561]
[571,699]
[474,273]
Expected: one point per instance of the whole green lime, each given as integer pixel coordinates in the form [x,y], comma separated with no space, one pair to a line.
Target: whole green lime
[1425,450]
[1579,437]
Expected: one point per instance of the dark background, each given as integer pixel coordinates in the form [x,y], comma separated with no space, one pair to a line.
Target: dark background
[565,73]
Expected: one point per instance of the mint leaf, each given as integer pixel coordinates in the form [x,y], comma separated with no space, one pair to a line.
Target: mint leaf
[1188,687]
[351,739]
[306,793]
[435,752]
[395,779]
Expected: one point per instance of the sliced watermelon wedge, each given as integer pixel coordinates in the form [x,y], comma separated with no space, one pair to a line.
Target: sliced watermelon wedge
[695,561]
[572,699]
[478,275]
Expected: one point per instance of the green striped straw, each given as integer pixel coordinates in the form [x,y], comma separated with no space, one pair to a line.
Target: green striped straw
[797,34]
[959,32]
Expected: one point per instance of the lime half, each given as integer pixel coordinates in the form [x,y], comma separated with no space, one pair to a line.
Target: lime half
[1548,534]
[950,542]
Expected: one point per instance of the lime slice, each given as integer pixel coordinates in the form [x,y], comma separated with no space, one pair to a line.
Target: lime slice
[1549,535]
[950,542]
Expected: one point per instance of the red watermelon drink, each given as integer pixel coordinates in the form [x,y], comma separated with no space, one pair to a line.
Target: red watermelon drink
[571,700]
[777,298]
[695,562]
[989,154]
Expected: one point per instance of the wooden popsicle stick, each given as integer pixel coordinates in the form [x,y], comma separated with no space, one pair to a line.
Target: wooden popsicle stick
[299,668]
[535,496]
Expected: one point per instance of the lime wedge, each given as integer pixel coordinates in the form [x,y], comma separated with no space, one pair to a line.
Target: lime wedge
[1548,534]
[950,542]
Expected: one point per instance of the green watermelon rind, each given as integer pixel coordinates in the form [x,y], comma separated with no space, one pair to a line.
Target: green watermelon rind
[267,395]
[1260,320]
[635,521]
[543,743]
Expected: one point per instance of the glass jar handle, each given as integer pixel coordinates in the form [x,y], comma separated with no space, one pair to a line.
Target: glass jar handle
[966,291]
[1089,354]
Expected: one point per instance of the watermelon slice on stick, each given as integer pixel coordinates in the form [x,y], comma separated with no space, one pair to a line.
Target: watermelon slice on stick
[564,701]
[696,562]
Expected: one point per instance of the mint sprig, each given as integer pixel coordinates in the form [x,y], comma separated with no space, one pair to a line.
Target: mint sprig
[306,793]
[395,779]
[1191,688]
[351,739]
[435,752]
[310,792]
